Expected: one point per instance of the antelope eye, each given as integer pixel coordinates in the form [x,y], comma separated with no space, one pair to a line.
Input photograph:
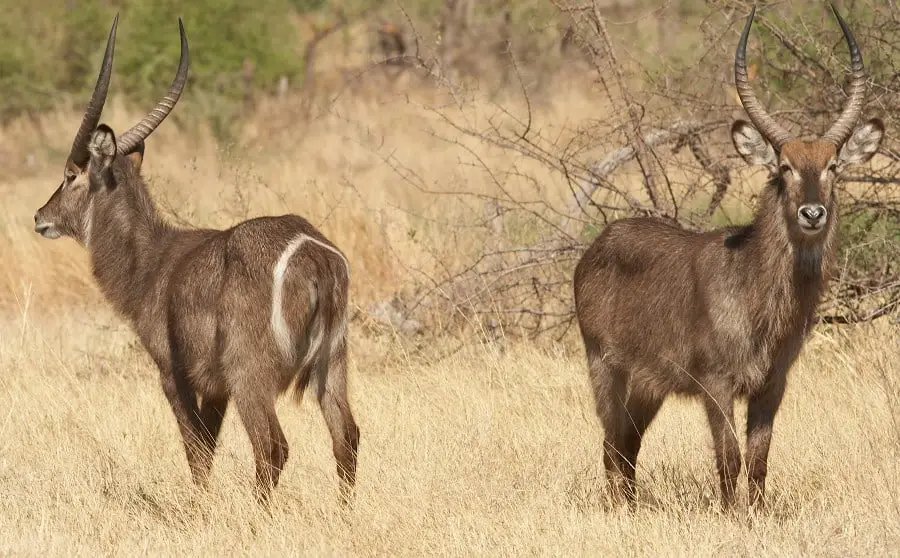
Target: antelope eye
[785,169]
[832,168]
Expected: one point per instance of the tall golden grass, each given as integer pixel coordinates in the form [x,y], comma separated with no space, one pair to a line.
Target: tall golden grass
[332,170]
[483,452]
[479,454]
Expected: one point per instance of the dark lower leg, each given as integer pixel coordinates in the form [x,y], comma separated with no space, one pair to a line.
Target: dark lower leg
[345,447]
[610,384]
[338,417]
[211,415]
[257,416]
[640,413]
[183,402]
[761,411]
[757,467]
[612,462]
[279,448]
[720,413]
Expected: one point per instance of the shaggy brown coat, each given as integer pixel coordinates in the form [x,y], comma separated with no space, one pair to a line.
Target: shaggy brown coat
[721,314]
[236,315]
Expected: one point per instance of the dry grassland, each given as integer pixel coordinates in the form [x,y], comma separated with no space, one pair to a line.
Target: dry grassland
[341,172]
[483,452]
[477,454]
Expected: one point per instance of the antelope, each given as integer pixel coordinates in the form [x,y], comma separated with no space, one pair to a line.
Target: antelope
[722,314]
[237,315]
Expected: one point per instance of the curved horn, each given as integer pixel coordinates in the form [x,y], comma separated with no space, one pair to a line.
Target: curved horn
[758,115]
[140,131]
[79,153]
[841,129]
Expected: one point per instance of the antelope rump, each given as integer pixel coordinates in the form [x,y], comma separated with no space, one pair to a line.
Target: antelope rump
[228,316]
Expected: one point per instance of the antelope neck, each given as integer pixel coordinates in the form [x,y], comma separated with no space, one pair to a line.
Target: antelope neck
[129,241]
[786,278]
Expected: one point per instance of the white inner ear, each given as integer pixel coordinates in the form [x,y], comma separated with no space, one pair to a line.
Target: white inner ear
[862,144]
[102,147]
[753,147]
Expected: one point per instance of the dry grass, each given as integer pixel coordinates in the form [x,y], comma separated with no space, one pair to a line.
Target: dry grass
[332,171]
[480,453]
[477,454]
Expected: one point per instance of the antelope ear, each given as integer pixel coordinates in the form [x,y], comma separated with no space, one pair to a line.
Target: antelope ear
[102,146]
[752,146]
[137,155]
[863,144]
[102,149]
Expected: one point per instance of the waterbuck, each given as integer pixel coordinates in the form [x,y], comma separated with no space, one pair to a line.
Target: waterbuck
[234,315]
[721,314]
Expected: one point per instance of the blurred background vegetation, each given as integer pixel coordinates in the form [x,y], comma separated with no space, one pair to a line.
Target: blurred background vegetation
[51,48]
[266,69]
[245,48]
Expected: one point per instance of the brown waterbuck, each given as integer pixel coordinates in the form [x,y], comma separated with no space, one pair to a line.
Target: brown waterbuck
[721,314]
[239,315]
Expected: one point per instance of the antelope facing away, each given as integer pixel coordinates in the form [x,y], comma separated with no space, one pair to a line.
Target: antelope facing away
[238,315]
[721,314]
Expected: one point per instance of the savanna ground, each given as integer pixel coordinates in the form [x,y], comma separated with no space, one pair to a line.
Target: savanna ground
[476,454]
[488,449]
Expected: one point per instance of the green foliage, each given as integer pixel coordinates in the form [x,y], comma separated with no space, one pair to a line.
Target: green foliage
[52,48]
[812,28]
[222,34]
[864,235]
[84,33]
[308,5]
[30,64]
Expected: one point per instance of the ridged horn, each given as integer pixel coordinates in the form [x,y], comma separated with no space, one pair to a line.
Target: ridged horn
[842,128]
[79,153]
[766,125]
[142,130]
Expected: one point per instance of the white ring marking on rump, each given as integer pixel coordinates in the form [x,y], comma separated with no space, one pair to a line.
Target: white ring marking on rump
[279,324]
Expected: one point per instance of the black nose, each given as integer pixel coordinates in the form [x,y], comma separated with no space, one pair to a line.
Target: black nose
[812,213]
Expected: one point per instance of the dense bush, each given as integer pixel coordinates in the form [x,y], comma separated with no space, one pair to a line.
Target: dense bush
[52,48]
[222,34]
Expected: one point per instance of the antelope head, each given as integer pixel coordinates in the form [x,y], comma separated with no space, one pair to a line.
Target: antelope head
[804,172]
[88,170]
